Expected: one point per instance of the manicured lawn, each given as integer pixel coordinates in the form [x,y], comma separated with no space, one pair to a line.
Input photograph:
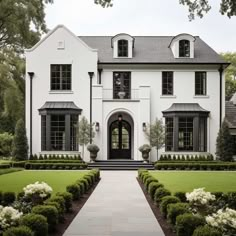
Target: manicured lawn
[188,180]
[58,180]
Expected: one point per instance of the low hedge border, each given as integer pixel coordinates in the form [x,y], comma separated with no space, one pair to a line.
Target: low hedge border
[195,166]
[55,166]
[5,166]
[7,171]
[55,161]
[186,157]
[175,209]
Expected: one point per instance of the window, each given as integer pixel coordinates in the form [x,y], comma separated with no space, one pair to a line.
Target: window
[167,83]
[200,83]
[43,133]
[121,85]
[186,133]
[184,48]
[123,48]
[60,77]
[169,134]
[73,129]
[202,134]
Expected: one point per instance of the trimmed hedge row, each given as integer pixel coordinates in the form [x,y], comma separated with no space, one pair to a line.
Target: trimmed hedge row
[195,166]
[5,166]
[55,166]
[177,211]
[55,161]
[55,157]
[187,157]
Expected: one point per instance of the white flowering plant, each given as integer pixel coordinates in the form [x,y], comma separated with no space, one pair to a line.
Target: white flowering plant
[38,191]
[9,217]
[224,220]
[200,200]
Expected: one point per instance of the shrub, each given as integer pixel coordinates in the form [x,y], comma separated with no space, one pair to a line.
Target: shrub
[60,200]
[145,176]
[6,140]
[81,186]
[165,201]
[160,193]
[231,199]
[1,196]
[149,180]
[85,182]
[50,212]
[74,189]
[187,223]
[152,187]
[37,223]
[181,196]
[89,180]
[206,231]
[142,174]
[20,143]
[19,231]
[176,209]
[68,200]
[8,198]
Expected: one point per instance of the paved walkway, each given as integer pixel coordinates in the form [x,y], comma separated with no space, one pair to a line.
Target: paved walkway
[117,207]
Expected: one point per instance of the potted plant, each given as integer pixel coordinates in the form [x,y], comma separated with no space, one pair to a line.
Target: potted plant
[93,149]
[145,149]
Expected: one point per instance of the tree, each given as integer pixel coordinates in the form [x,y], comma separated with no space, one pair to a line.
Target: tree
[5,144]
[20,142]
[230,74]
[155,133]
[83,133]
[195,7]
[224,144]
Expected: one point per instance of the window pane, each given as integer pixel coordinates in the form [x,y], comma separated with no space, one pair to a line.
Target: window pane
[202,135]
[43,133]
[167,83]
[169,134]
[186,133]
[121,83]
[73,129]
[123,48]
[184,48]
[200,83]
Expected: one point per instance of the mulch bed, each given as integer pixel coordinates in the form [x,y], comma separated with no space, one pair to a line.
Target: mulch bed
[76,207]
[166,227]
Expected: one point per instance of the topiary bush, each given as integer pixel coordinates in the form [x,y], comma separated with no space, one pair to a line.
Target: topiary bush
[37,223]
[67,199]
[152,187]
[181,196]
[165,201]
[8,198]
[176,209]
[74,189]
[18,231]
[81,186]
[50,212]
[149,180]
[206,231]
[160,193]
[187,223]
[85,182]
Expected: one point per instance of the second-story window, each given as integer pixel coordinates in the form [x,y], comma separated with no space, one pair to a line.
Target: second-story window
[184,48]
[123,48]
[200,83]
[121,85]
[167,83]
[61,77]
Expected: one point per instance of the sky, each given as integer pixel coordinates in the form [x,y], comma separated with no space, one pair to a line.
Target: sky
[143,17]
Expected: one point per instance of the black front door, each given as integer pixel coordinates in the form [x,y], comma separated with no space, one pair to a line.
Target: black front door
[120,140]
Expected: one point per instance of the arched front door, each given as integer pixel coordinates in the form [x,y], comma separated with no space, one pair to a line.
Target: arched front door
[120,140]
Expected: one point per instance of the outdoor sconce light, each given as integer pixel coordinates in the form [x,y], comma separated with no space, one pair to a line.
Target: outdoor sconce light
[97,126]
[144,127]
[120,117]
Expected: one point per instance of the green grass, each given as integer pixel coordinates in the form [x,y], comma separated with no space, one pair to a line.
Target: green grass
[188,180]
[11,170]
[58,180]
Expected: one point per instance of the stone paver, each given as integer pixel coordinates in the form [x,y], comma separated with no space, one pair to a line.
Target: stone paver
[117,207]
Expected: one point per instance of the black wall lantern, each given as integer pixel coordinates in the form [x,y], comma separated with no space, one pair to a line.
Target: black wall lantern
[144,127]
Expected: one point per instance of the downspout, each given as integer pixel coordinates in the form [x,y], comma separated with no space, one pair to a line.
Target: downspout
[100,76]
[221,75]
[31,75]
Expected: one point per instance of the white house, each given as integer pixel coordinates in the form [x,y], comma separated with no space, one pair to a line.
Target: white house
[135,79]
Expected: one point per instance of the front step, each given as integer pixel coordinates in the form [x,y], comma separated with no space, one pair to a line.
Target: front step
[120,165]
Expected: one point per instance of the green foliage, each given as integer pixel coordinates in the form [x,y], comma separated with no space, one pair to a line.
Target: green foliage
[68,197]
[18,231]
[150,180]
[6,140]
[141,171]
[74,189]
[224,143]
[206,231]
[181,196]
[152,187]
[37,223]
[20,143]
[60,200]
[165,201]
[160,193]
[8,198]
[176,209]
[51,214]
[187,223]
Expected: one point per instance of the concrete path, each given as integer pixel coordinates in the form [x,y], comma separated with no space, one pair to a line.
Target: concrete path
[117,207]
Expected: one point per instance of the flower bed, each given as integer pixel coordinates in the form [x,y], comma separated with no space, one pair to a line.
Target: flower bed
[36,210]
[198,213]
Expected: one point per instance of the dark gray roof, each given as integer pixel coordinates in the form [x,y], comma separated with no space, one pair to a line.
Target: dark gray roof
[230,114]
[60,106]
[185,107]
[151,49]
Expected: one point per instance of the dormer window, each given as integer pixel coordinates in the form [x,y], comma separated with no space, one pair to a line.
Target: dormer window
[123,47]
[184,48]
